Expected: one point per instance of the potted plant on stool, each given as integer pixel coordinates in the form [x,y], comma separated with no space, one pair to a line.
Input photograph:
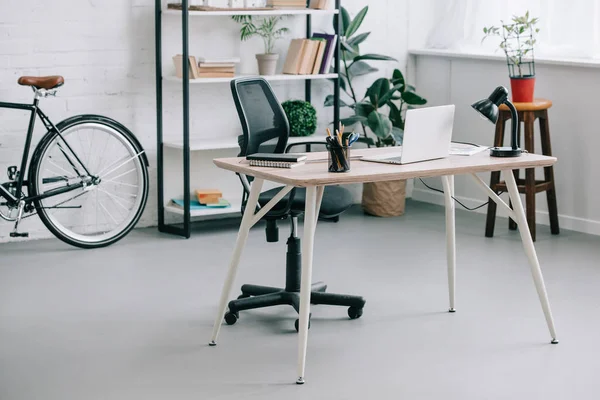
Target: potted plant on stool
[270,32]
[518,41]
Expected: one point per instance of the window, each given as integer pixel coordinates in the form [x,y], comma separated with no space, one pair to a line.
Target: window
[569,28]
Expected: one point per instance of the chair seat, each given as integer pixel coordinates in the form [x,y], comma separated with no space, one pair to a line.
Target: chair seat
[336,200]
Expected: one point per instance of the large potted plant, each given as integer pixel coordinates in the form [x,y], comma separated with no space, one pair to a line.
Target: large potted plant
[268,29]
[382,110]
[380,114]
[518,39]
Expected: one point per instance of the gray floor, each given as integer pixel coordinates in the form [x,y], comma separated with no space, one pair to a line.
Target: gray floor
[132,321]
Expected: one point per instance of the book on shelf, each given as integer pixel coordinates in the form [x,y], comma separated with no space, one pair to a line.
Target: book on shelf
[329,50]
[292,4]
[217,68]
[193,66]
[310,56]
[319,4]
[319,55]
[195,205]
[294,56]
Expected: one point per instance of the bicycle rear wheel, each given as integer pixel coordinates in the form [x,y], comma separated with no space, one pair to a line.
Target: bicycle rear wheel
[107,165]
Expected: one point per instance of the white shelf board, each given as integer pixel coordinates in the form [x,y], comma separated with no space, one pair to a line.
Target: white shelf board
[234,209]
[272,78]
[303,11]
[227,143]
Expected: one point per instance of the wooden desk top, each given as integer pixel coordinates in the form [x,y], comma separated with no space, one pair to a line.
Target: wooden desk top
[315,173]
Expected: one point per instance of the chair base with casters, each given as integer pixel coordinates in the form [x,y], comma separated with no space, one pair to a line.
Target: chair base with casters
[254,296]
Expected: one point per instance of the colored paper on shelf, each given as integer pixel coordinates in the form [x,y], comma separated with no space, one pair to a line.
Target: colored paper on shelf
[195,204]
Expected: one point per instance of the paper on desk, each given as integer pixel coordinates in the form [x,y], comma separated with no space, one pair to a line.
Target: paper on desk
[460,149]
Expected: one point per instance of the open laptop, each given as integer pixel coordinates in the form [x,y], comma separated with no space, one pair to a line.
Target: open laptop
[427,136]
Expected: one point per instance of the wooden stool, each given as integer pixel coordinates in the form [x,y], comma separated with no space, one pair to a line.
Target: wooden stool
[528,113]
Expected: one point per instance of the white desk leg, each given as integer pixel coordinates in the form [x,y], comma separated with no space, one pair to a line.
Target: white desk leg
[448,182]
[237,253]
[536,271]
[308,239]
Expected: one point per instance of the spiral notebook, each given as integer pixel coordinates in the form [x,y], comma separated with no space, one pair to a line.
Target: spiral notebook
[276,160]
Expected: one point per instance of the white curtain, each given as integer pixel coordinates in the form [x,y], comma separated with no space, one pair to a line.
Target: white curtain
[568,28]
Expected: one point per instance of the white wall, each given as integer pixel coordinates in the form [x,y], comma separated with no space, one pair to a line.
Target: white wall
[573,126]
[105,51]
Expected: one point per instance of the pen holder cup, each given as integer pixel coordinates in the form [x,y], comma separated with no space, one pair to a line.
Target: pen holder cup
[338,158]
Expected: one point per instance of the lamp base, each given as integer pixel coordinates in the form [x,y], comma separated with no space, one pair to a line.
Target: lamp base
[505,152]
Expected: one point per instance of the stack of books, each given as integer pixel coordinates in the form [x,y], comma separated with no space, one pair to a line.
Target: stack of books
[204,68]
[291,4]
[217,68]
[310,56]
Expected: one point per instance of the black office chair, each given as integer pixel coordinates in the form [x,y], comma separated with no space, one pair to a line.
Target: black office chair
[266,129]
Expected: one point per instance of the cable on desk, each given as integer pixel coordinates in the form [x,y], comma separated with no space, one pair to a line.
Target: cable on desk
[454,198]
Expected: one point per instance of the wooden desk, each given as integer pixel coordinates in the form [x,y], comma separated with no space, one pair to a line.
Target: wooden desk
[314,177]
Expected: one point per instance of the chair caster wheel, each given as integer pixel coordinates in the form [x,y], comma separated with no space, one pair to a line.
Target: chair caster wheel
[297,325]
[243,296]
[231,318]
[355,313]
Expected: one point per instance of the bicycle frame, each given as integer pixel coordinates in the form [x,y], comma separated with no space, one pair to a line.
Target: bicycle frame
[13,200]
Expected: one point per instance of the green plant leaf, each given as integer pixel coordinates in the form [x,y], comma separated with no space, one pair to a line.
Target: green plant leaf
[380,124]
[347,47]
[396,116]
[353,120]
[360,68]
[356,22]
[358,39]
[341,79]
[345,20]
[374,57]
[388,96]
[413,99]
[363,109]
[398,78]
[378,89]
[329,102]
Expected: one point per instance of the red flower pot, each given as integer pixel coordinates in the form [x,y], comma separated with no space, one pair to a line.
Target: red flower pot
[522,89]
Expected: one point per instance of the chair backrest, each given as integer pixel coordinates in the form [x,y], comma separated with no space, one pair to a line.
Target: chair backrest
[261,115]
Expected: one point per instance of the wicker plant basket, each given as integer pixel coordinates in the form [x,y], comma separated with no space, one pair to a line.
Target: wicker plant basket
[384,199]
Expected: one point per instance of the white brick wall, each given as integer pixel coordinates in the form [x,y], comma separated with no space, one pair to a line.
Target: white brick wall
[105,51]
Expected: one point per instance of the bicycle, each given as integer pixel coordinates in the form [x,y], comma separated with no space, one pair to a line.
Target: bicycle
[87,179]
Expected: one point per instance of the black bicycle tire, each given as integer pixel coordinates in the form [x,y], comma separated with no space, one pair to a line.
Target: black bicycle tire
[33,181]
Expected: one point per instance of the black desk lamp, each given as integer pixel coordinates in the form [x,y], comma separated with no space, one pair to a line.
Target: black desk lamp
[488,108]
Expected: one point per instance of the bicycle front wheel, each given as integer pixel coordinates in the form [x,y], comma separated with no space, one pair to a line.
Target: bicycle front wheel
[105,166]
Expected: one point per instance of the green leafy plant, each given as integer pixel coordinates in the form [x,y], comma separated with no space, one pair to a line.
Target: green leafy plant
[302,117]
[382,108]
[266,28]
[518,40]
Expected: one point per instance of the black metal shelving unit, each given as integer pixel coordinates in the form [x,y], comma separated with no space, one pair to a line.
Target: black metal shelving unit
[184,228]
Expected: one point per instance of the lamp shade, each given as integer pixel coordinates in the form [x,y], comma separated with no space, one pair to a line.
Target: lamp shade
[487,110]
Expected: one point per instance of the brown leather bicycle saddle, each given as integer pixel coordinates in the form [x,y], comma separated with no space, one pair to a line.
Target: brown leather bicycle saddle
[42,82]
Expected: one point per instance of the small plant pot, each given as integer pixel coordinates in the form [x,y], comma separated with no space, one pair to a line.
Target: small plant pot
[522,89]
[267,63]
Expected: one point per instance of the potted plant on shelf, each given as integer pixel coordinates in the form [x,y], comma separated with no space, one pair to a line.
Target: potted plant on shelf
[518,41]
[268,29]
[302,117]
[380,113]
